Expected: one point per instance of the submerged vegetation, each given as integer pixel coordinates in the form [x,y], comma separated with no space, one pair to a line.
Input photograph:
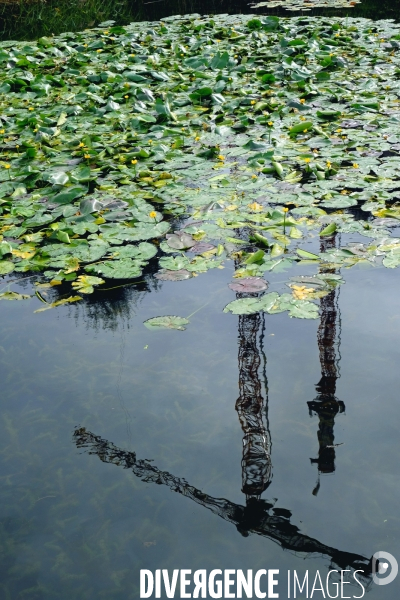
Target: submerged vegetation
[199,140]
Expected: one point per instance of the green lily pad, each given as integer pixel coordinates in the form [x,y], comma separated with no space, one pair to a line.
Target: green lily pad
[125,268]
[167,322]
[6,266]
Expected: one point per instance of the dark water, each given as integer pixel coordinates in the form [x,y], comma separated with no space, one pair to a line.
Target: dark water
[76,527]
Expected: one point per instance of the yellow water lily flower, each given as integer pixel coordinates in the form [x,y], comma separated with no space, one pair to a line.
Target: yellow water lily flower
[152,214]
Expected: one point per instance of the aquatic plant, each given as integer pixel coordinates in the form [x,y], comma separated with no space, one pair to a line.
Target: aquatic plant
[192,139]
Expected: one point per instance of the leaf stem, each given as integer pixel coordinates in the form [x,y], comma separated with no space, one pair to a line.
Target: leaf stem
[193,313]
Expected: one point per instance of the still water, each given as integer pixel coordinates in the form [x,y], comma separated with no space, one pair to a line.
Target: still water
[76,527]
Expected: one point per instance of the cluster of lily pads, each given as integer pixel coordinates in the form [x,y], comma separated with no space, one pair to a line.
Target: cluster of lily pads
[198,140]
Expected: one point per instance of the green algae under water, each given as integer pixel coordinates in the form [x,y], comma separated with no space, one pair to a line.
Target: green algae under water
[75,527]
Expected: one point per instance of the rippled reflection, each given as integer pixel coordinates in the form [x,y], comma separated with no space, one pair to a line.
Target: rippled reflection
[256,515]
[325,404]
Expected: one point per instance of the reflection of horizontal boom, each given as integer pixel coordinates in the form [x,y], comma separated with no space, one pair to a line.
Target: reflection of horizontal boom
[255,517]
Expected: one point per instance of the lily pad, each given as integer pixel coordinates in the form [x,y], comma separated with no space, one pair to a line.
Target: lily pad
[167,322]
[85,284]
[6,266]
[125,268]
[180,240]
[13,296]
[180,275]
[249,285]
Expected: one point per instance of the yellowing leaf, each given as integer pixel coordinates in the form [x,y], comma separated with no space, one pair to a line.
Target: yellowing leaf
[255,206]
[59,303]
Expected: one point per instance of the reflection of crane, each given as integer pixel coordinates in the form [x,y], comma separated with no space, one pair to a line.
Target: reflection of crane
[253,414]
[257,516]
[326,405]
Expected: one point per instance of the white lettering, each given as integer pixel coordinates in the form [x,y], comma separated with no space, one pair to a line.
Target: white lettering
[170,587]
[228,582]
[146,577]
[200,581]
[272,583]
[242,583]
[184,583]
[320,589]
[343,582]
[258,592]
[158,583]
[327,584]
[215,587]
[305,582]
[359,583]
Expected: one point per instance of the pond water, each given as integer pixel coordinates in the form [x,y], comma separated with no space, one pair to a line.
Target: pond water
[124,448]
[73,526]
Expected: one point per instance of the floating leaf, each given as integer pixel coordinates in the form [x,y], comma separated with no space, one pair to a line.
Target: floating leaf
[167,322]
[302,309]
[125,268]
[307,255]
[179,275]
[85,283]
[13,296]
[59,303]
[6,267]
[180,240]
[249,285]
[328,230]
[201,247]
[243,306]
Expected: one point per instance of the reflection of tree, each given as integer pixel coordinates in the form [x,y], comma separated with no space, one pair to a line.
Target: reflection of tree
[258,516]
[111,303]
[326,405]
[115,301]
